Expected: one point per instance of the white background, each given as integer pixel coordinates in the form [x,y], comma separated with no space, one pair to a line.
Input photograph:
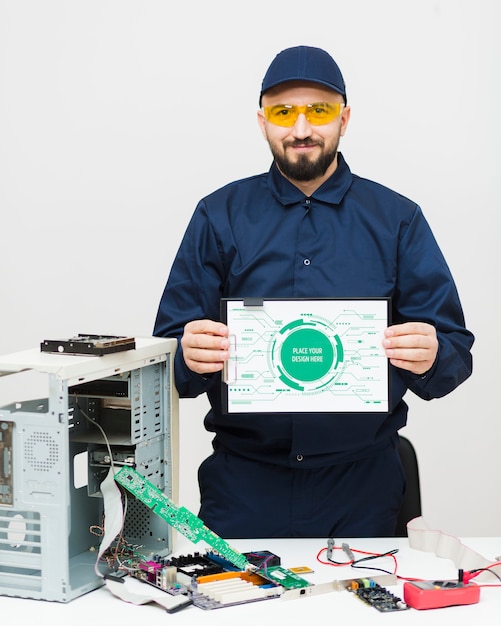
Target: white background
[116,116]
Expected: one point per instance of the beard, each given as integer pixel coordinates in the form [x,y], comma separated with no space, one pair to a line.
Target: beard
[304,168]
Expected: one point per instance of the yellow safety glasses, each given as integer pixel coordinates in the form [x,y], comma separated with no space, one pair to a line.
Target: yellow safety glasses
[317,113]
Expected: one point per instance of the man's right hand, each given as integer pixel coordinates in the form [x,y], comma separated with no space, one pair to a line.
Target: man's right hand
[205,346]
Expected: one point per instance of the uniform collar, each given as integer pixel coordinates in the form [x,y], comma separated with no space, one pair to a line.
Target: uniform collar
[332,191]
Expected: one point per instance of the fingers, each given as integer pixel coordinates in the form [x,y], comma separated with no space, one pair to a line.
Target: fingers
[410,328]
[205,346]
[412,346]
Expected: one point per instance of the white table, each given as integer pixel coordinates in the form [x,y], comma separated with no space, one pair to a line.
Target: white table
[102,607]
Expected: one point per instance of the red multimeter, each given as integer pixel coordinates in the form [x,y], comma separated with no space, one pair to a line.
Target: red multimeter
[435,594]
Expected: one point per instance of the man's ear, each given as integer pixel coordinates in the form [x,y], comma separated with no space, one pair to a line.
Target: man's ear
[345,118]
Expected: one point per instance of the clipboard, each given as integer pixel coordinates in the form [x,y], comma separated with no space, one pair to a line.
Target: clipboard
[299,355]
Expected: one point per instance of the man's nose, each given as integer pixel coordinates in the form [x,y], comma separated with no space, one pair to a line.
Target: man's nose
[302,128]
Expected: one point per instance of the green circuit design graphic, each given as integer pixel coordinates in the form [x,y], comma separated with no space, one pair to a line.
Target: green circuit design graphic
[306,354]
[299,355]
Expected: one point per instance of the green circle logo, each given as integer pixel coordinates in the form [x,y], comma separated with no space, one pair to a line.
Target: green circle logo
[307,354]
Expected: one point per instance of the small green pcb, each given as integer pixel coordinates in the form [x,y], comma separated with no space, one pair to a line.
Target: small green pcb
[284,577]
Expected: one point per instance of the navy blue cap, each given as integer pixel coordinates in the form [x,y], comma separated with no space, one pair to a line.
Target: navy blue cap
[304,63]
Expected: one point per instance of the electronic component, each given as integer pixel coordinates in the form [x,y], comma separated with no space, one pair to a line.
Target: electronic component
[195,565]
[435,594]
[229,589]
[6,485]
[203,589]
[263,558]
[194,529]
[179,518]
[96,345]
[284,577]
[161,576]
[376,596]
[121,456]
[301,569]
[114,387]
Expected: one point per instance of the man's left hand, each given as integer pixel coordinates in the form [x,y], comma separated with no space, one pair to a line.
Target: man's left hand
[412,346]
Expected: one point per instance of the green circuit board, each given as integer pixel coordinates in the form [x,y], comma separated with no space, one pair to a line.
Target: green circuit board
[180,518]
[193,528]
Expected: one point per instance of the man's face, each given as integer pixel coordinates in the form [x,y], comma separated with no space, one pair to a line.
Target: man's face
[304,151]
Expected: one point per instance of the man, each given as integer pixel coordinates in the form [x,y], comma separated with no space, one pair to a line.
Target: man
[309,228]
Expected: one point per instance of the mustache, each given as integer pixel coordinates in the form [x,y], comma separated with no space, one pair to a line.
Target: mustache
[307,141]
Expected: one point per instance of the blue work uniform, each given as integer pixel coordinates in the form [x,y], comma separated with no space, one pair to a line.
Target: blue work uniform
[317,474]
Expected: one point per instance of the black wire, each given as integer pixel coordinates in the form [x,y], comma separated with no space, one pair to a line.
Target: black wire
[376,556]
[486,569]
[355,564]
[339,562]
[378,569]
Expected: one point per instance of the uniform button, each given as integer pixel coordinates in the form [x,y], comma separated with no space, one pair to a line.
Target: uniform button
[307,261]
[299,457]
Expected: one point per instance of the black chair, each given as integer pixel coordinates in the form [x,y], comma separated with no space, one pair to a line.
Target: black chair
[411,506]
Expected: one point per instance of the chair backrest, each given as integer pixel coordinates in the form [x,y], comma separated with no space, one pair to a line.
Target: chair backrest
[411,506]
